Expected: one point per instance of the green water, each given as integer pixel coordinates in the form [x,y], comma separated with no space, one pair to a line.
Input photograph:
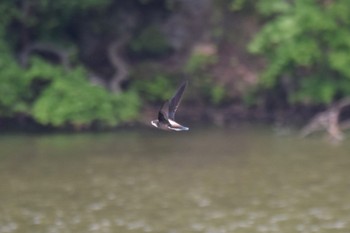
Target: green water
[246,179]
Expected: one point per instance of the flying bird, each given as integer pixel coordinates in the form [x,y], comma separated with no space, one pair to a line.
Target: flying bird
[166,114]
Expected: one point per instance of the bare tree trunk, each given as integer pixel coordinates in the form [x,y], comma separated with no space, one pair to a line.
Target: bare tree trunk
[329,120]
[25,14]
[119,64]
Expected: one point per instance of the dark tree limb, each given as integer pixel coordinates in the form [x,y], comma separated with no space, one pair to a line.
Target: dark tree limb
[62,55]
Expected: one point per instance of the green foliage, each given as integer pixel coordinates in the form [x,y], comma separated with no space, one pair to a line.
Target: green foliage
[271,7]
[198,62]
[152,81]
[197,66]
[44,20]
[218,94]
[69,99]
[46,92]
[304,38]
[14,93]
[150,41]
[314,89]
[63,104]
[7,12]
[238,5]
[72,5]
[212,92]
[209,90]
[157,88]
[65,98]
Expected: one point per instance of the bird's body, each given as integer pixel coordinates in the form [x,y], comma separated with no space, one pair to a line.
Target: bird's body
[166,114]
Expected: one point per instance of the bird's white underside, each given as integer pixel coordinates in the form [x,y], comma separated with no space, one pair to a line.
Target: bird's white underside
[174,125]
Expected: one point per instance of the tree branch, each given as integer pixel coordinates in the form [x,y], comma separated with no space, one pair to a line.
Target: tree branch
[328,120]
[61,54]
[119,64]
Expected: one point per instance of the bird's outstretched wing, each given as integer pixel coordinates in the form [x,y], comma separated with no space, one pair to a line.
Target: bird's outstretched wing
[162,117]
[174,102]
[163,113]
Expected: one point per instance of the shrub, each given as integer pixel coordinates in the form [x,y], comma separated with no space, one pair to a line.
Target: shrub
[69,99]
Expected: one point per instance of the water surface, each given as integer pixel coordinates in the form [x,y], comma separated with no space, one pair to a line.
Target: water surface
[245,179]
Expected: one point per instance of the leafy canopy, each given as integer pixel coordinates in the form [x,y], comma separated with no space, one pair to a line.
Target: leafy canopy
[45,91]
[306,43]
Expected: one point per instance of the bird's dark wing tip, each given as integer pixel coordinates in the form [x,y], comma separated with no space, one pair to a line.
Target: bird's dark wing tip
[176,99]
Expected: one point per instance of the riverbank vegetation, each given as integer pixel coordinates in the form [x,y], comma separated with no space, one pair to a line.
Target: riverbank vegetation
[104,63]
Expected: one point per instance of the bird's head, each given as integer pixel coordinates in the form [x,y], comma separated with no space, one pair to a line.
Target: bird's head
[155,123]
